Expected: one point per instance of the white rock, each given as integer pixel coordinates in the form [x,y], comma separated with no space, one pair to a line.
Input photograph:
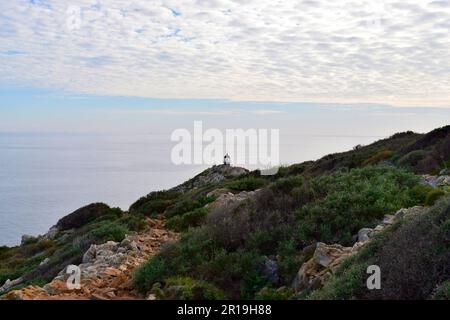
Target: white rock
[364,234]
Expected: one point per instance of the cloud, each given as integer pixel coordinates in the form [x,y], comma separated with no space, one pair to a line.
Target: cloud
[387,51]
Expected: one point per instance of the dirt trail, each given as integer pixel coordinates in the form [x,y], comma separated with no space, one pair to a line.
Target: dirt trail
[106,277]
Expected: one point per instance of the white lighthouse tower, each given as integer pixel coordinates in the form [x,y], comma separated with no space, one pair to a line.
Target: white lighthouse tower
[227,160]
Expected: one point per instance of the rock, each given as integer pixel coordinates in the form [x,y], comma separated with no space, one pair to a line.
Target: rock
[9,284]
[129,245]
[445,172]
[443,180]
[226,199]
[51,233]
[219,192]
[316,271]
[408,212]
[82,216]
[151,296]
[112,272]
[44,262]
[400,213]
[26,238]
[270,270]
[213,175]
[56,287]
[325,255]
[90,254]
[364,234]
[309,250]
[388,219]
[28,293]
[430,180]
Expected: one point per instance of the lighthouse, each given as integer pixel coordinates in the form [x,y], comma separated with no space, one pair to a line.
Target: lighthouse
[227,160]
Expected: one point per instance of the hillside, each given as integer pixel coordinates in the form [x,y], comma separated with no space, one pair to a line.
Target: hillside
[309,232]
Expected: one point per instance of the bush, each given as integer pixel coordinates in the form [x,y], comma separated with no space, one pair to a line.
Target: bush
[443,291]
[191,219]
[134,222]
[419,193]
[413,254]
[186,288]
[379,156]
[433,196]
[348,201]
[149,273]
[186,205]
[247,184]
[275,294]
[287,184]
[154,203]
[411,159]
[110,232]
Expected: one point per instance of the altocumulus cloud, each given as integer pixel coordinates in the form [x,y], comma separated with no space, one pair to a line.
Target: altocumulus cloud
[314,50]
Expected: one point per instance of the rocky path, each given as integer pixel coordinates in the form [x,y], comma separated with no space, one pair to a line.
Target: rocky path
[106,271]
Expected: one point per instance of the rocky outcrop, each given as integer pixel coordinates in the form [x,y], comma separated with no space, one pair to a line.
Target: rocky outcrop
[212,175]
[327,258]
[436,181]
[26,238]
[82,216]
[106,269]
[9,284]
[316,271]
[225,196]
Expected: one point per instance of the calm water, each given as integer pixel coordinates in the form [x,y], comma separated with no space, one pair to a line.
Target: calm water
[46,176]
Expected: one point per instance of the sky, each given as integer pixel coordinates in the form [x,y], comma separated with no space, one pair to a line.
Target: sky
[201,52]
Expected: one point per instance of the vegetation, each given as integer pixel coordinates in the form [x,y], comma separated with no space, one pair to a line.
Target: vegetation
[433,196]
[247,184]
[228,250]
[415,255]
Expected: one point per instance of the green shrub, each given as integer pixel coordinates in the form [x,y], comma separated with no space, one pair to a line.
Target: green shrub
[283,293]
[287,184]
[134,222]
[155,203]
[412,159]
[379,156]
[348,201]
[443,291]
[413,254]
[247,184]
[419,193]
[190,219]
[186,288]
[433,196]
[187,205]
[149,273]
[110,231]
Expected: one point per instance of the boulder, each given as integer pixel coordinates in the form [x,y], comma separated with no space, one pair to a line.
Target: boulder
[51,233]
[364,234]
[82,216]
[9,284]
[26,238]
[443,180]
[388,220]
[316,271]
[44,262]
